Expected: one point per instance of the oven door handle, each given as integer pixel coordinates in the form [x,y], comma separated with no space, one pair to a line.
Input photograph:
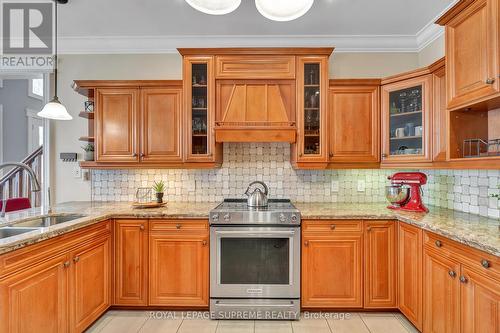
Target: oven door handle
[256,233]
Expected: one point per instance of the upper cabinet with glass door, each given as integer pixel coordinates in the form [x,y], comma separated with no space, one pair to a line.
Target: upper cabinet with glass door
[406,120]
[312,89]
[199,89]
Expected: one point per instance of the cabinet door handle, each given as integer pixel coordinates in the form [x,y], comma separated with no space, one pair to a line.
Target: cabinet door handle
[332,227]
[438,243]
[451,273]
[142,227]
[178,226]
[76,259]
[66,264]
[369,229]
[490,80]
[306,243]
[463,279]
[485,263]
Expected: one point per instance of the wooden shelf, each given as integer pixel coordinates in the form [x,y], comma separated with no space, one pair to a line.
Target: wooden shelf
[86,139]
[199,109]
[199,135]
[199,85]
[311,86]
[86,115]
[408,137]
[311,109]
[405,113]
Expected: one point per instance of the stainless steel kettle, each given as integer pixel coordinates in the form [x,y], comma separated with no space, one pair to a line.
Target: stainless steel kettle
[257,198]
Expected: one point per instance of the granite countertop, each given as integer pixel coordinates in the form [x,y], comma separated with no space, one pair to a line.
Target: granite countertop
[478,232]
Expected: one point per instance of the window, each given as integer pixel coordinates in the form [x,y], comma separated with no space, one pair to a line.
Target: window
[36,88]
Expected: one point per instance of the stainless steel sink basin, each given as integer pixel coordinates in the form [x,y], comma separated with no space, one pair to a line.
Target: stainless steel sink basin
[12,231]
[47,221]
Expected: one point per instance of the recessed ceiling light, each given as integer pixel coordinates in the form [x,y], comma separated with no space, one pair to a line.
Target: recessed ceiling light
[283,10]
[214,7]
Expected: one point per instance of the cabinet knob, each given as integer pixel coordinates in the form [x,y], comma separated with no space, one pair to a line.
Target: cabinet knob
[451,273]
[76,259]
[438,243]
[384,155]
[204,243]
[306,243]
[485,263]
[134,154]
[300,154]
[143,155]
[332,227]
[142,227]
[369,229]
[490,80]
[66,264]
[463,279]
[331,155]
[178,226]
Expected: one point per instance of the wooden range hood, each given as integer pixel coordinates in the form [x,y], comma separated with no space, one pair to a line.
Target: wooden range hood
[256,92]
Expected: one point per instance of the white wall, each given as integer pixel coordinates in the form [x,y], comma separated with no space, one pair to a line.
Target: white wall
[164,66]
[432,52]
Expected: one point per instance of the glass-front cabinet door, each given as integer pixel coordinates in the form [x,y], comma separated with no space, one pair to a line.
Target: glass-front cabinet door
[405,120]
[199,85]
[312,75]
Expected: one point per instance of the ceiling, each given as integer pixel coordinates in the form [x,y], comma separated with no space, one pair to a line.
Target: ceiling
[162,25]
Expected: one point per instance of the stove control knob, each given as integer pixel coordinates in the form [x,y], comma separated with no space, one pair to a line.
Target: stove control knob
[294,218]
[215,217]
[227,217]
[282,218]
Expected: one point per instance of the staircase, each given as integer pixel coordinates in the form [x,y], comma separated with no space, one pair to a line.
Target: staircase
[16,183]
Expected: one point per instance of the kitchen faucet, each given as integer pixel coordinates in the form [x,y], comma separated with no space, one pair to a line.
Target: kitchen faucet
[35,185]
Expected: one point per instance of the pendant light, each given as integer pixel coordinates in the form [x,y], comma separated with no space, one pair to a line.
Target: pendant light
[283,10]
[214,7]
[54,109]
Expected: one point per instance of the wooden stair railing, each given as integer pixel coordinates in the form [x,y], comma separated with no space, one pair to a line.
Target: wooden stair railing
[16,183]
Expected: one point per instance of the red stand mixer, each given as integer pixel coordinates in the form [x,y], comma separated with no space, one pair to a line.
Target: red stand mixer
[404,193]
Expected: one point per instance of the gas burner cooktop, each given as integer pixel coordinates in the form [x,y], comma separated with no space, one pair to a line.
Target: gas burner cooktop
[236,211]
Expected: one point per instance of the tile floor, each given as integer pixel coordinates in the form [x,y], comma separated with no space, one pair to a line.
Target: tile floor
[176,322]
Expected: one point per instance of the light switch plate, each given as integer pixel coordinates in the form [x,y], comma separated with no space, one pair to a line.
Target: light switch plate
[361,185]
[335,186]
[77,171]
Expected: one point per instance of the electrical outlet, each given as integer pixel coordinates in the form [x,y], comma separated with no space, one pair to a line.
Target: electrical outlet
[361,185]
[335,186]
[77,171]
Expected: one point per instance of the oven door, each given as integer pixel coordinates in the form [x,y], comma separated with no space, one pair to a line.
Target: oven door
[254,262]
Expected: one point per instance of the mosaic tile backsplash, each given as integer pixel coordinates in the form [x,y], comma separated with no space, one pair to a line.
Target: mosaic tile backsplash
[464,190]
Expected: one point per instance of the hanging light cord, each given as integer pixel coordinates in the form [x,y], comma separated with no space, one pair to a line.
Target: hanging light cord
[55,55]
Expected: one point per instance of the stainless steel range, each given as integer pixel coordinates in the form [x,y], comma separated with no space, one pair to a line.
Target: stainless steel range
[255,260]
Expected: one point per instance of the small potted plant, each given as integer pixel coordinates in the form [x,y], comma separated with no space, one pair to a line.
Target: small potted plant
[88,154]
[159,188]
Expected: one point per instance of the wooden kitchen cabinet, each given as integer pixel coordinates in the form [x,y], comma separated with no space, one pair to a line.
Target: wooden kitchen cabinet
[354,122]
[410,293]
[441,294]
[40,291]
[480,302]
[311,149]
[199,107]
[439,112]
[380,251]
[116,121]
[332,270]
[406,120]
[161,125]
[131,262]
[179,265]
[90,283]
[472,52]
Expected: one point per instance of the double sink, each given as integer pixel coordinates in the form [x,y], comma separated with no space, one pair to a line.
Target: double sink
[36,224]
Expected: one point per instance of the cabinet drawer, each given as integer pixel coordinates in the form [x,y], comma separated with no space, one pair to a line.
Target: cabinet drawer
[255,67]
[481,261]
[179,225]
[332,225]
[32,254]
